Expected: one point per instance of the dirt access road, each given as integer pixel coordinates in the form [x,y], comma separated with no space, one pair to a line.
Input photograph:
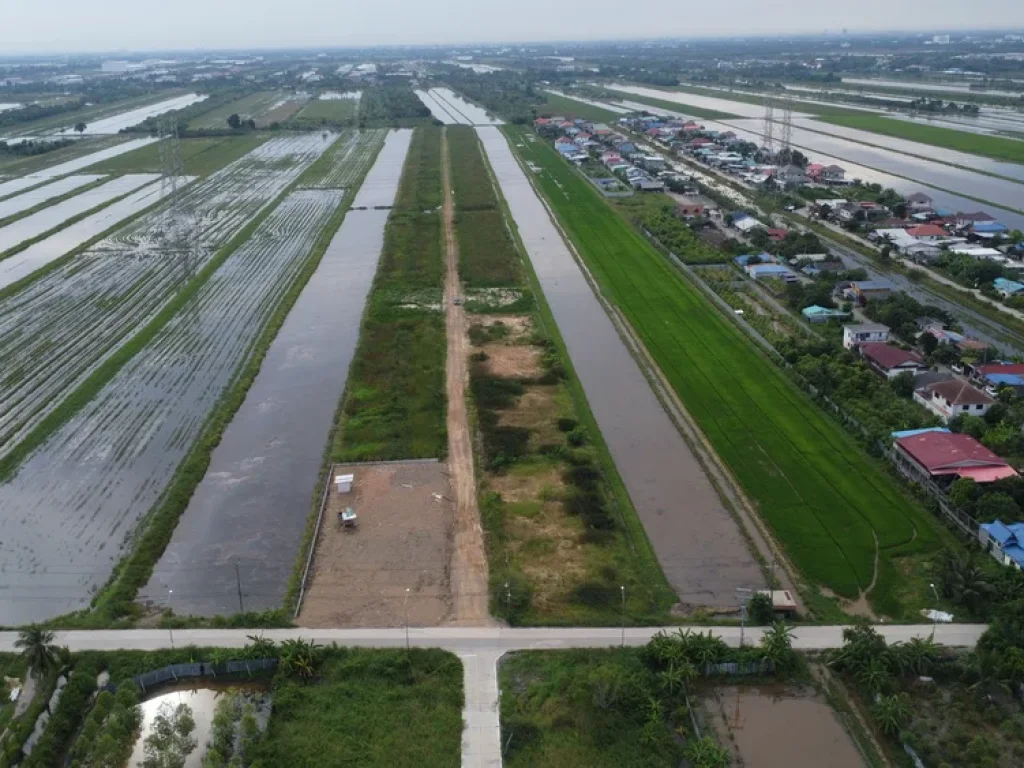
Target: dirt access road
[469,561]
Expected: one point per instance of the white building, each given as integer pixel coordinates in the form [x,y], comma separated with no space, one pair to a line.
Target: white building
[864,333]
[948,399]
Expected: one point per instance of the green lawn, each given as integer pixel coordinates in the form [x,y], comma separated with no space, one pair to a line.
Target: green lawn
[674,106]
[200,157]
[823,496]
[947,138]
[560,105]
[385,708]
[328,109]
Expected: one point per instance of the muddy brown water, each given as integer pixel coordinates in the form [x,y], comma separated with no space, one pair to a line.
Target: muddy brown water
[251,508]
[698,543]
[774,727]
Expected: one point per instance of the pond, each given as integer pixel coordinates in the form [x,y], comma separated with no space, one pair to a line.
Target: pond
[203,701]
[779,726]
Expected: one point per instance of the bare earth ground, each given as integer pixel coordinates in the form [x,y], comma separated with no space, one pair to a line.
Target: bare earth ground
[402,541]
[469,561]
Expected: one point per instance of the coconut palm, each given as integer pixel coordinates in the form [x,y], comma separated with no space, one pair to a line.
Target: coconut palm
[705,753]
[962,580]
[917,656]
[38,649]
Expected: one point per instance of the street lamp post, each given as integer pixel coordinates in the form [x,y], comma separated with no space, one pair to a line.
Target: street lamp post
[170,630]
[744,596]
[935,611]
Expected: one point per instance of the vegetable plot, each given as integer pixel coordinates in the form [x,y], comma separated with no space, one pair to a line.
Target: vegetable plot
[59,328]
[75,503]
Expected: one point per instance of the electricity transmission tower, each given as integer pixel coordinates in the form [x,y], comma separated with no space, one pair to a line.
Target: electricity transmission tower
[787,126]
[769,126]
[179,231]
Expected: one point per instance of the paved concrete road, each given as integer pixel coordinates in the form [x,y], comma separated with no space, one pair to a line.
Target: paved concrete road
[479,648]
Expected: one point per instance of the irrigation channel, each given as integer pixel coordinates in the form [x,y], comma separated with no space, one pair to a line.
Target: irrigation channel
[251,508]
[14,186]
[700,548]
[902,172]
[451,109]
[73,505]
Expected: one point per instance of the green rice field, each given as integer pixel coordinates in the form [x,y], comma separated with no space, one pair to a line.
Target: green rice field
[826,500]
[200,157]
[560,105]
[331,110]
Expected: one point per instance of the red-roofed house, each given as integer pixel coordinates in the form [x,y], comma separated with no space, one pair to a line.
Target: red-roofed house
[890,361]
[948,399]
[927,232]
[943,456]
[777,235]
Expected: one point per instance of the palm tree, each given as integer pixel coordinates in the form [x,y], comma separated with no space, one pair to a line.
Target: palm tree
[705,753]
[917,656]
[777,644]
[38,649]
[874,677]
[892,712]
[963,581]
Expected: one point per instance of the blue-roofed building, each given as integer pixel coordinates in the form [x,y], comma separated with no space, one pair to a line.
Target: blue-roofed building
[764,257]
[761,271]
[1003,542]
[1007,288]
[989,228]
[912,432]
[816,314]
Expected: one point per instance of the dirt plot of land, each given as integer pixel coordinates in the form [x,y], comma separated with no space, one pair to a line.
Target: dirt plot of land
[402,541]
[779,726]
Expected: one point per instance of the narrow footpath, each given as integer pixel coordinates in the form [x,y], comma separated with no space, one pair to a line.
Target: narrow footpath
[468,574]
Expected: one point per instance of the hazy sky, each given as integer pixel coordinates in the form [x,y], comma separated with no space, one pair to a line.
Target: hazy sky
[110,25]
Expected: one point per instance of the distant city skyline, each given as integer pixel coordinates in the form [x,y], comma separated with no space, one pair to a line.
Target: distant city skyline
[107,26]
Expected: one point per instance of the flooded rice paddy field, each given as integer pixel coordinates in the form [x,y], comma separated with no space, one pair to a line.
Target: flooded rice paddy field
[698,544]
[346,160]
[778,726]
[32,198]
[75,502]
[41,175]
[252,506]
[49,218]
[451,109]
[54,332]
[117,123]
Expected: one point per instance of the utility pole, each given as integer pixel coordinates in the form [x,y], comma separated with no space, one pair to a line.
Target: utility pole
[407,619]
[622,589]
[743,595]
[238,581]
[935,613]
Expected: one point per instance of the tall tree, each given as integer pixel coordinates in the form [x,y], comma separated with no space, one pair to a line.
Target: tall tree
[38,649]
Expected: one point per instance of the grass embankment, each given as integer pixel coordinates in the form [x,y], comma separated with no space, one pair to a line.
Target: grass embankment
[1009,150]
[394,404]
[823,496]
[199,157]
[673,106]
[16,165]
[114,602]
[549,500]
[569,107]
[369,708]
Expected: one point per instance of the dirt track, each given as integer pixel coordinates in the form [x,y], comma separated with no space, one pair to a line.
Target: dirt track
[468,577]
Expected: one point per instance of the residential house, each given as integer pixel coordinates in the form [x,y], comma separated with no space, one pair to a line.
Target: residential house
[901,239]
[791,176]
[653,163]
[816,314]
[1007,288]
[777,271]
[647,184]
[965,220]
[834,174]
[986,230]
[919,201]
[889,361]
[863,291]
[814,171]
[864,333]
[746,223]
[927,232]
[777,235]
[1004,542]
[997,375]
[821,267]
[689,210]
[949,399]
[941,456]
[625,148]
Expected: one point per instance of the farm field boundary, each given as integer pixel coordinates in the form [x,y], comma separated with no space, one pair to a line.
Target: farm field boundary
[809,478]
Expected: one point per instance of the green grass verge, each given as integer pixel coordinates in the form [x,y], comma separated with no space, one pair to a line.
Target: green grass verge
[369,708]
[673,106]
[89,115]
[568,107]
[824,497]
[199,157]
[1010,150]
[610,556]
[394,405]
